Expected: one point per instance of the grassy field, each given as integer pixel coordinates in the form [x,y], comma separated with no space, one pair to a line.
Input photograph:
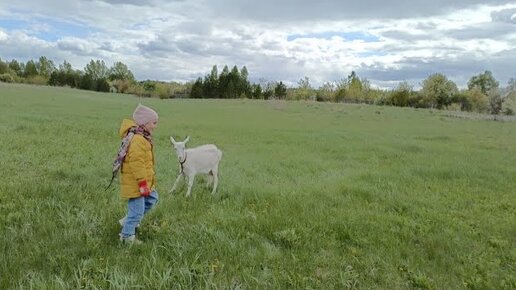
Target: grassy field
[311,195]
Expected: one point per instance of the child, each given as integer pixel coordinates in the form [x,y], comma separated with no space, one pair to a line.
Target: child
[136,161]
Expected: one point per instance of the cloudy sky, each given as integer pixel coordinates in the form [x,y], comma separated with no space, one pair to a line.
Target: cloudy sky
[384,41]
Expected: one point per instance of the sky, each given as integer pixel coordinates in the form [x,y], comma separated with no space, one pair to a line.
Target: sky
[385,42]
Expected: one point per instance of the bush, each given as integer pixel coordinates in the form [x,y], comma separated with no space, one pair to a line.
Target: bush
[454,107]
[495,101]
[400,98]
[509,104]
[508,112]
[479,101]
[324,96]
[135,89]
[320,98]
[122,86]
[37,80]
[6,78]
[416,100]
[162,91]
[102,85]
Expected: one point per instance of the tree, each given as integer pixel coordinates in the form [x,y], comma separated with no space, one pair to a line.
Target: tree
[484,81]
[30,69]
[511,85]
[438,91]
[211,84]
[267,94]
[256,91]
[3,67]
[401,95]
[65,76]
[369,95]
[231,90]
[350,89]
[56,79]
[509,99]
[304,83]
[96,74]
[120,71]
[267,88]
[16,67]
[230,83]
[462,98]
[304,89]
[45,67]
[97,70]
[73,77]
[326,92]
[223,82]
[197,89]
[488,85]
[6,73]
[280,91]
[509,104]
[479,101]
[101,85]
[495,101]
[245,86]
[66,67]
[354,93]
[87,82]
[234,80]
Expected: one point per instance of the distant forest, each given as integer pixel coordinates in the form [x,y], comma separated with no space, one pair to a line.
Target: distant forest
[483,94]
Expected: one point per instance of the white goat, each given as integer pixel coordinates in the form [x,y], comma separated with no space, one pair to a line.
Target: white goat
[202,159]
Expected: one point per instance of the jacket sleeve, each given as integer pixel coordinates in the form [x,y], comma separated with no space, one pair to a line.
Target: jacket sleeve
[137,157]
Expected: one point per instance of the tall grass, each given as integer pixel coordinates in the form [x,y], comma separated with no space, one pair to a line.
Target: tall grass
[311,195]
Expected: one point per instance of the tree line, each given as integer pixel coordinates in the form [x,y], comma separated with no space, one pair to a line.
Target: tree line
[234,84]
[95,76]
[483,94]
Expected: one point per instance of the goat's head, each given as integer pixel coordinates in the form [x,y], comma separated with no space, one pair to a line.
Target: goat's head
[179,147]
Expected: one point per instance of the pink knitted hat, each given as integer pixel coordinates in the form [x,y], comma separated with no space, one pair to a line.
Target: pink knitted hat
[143,115]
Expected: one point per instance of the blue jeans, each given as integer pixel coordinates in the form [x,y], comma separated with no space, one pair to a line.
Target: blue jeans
[136,209]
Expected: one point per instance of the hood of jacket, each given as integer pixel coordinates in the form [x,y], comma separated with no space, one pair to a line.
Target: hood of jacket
[125,126]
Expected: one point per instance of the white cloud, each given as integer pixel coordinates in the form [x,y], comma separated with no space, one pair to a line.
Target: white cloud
[78,46]
[181,40]
[3,36]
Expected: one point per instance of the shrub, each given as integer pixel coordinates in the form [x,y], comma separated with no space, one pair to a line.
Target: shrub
[122,86]
[37,80]
[479,101]
[6,78]
[509,104]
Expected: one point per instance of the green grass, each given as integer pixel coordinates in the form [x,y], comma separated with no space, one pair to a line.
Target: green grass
[311,195]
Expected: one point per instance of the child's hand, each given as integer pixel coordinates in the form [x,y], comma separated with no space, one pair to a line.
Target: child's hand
[144,188]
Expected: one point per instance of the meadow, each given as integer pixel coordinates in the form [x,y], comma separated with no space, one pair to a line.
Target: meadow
[311,196]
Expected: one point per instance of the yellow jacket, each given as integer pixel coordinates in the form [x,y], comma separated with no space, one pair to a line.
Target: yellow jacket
[138,164]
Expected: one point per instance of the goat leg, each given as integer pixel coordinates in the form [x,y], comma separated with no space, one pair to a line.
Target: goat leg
[190,183]
[175,183]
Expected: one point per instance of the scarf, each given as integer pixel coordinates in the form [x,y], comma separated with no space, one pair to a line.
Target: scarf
[124,147]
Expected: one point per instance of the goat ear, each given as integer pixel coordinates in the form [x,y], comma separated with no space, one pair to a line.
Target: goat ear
[172,140]
[187,138]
